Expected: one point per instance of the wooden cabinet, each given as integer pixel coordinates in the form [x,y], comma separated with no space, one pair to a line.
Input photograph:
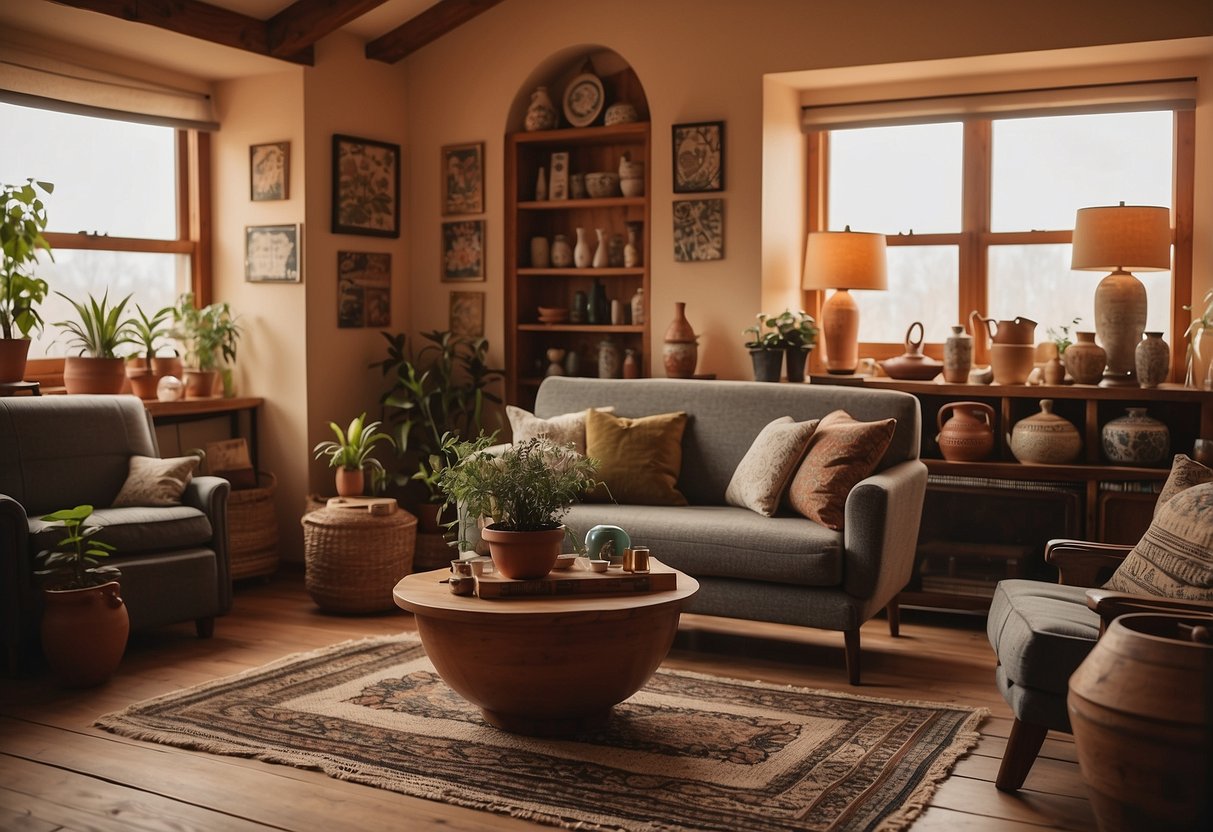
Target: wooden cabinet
[527,288]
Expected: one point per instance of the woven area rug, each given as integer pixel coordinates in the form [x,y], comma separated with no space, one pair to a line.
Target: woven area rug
[688,752]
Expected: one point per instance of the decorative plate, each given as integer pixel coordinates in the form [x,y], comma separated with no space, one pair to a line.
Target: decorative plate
[583,100]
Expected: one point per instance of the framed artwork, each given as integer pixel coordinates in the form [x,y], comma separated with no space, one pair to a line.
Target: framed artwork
[463,179]
[271,254]
[364,289]
[366,187]
[463,250]
[269,171]
[698,230]
[467,314]
[698,157]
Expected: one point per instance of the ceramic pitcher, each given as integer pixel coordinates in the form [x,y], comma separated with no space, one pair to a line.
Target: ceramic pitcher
[1016,331]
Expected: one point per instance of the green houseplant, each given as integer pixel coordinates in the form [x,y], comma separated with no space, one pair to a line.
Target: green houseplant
[85,623]
[1199,336]
[209,336]
[22,224]
[525,491]
[350,453]
[97,333]
[798,332]
[147,331]
[766,347]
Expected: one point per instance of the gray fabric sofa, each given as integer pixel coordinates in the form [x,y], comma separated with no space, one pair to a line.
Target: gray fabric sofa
[785,569]
[62,451]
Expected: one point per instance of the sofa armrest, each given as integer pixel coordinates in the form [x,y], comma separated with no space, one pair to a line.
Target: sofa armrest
[18,593]
[209,495]
[880,534]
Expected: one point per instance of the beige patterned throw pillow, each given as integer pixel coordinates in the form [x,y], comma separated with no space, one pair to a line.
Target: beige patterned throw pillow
[1185,473]
[1174,558]
[156,482]
[764,471]
[562,429]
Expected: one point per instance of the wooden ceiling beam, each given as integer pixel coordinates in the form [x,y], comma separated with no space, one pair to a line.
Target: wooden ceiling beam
[304,22]
[425,28]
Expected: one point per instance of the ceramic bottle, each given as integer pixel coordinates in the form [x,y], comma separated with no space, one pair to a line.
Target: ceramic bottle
[1152,360]
[608,359]
[957,356]
[581,251]
[600,253]
[631,250]
[580,310]
[631,367]
[600,307]
[680,352]
[562,252]
[638,307]
[541,186]
[540,253]
[541,114]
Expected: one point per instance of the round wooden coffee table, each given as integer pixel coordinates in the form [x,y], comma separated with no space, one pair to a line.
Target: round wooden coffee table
[544,666]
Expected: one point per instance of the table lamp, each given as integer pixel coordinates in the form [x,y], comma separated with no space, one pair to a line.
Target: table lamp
[843,260]
[1121,239]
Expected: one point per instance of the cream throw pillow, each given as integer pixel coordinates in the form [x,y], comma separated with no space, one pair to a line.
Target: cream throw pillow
[1174,558]
[562,429]
[156,482]
[764,471]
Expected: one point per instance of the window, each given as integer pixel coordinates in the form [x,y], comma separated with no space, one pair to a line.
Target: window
[115,217]
[979,213]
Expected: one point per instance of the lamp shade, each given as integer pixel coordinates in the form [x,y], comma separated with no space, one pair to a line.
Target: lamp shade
[845,260]
[1131,238]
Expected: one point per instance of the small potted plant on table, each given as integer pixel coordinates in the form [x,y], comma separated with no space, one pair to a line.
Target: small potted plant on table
[22,221]
[209,335]
[146,332]
[798,332]
[350,454]
[766,348]
[98,333]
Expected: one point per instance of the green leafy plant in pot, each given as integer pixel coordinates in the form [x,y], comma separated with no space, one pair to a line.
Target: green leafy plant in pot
[22,223]
[209,336]
[350,453]
[1199,335]
[766,348]
[525,492]
[798,333]
[84,624]
[99,330]
[144,369]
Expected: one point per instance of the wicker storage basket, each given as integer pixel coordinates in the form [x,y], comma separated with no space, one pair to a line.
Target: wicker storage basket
[253,529]
[353,558]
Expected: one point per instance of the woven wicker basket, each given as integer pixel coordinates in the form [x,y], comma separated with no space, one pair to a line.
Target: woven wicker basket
[353,559]
[253,529]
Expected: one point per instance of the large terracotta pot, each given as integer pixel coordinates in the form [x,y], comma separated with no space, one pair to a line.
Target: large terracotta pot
[1045,438]
[1140,706]
[523,555]
[968,436]
[13,353]
[84,633]
[350,482]
[94,375]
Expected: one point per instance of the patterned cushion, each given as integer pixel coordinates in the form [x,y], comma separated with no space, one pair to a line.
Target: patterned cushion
[156,482]
[763,473]
[842,452]
[562,429]
[638,459]
[1185,473]
[1174,558]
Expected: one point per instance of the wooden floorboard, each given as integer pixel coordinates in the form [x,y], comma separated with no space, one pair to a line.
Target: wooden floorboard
[58,772]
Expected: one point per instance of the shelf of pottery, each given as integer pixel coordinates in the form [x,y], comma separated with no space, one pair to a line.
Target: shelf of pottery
[577,274]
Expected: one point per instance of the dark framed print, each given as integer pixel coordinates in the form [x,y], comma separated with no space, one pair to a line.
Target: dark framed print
[698,230]
[364,289]
[698,157]
[271,254]
[366,187]
[463,250]
[463,179]
[269,171]
[467,314]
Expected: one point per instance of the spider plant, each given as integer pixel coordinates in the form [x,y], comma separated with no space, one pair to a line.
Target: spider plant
[101,328]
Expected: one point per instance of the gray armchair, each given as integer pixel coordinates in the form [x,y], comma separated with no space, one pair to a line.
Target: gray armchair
[62,451]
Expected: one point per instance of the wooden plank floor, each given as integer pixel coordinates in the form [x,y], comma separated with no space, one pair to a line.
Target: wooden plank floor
[59,773]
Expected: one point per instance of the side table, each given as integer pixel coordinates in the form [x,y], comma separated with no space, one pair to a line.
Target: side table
[355,551]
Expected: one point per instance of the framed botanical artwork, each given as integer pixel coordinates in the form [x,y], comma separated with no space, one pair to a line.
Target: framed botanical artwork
[698,157]
[698,230]
[467,314]
[463,250]
[366,187]
[364,289]
[463,179]
[271,254]
[269,171]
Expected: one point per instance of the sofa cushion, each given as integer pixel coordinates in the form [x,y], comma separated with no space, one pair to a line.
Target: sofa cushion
[841,453]
[763,473]
[561,429]
[1185,473]
[135,530]
[1174,558]
[153,481]
[638,459]
[1041,632]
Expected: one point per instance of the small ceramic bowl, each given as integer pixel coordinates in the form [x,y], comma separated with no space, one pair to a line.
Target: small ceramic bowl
[599,565]
[632,186]
[601,184]
[565,561]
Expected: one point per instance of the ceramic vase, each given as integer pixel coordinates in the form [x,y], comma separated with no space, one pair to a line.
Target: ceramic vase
[638,307]
[631,366]
[572,363]
[541,186]
[1120,319]
[580,310]
[541,114]
[968,434]
[555,357]
[600,307]
[1136,439]
[541,256]
[577,186]
[1152,359]
[621,112]
[633,256]
[957,356]
[1054,371]
[680,352]
[608,359]
[1084,359]
[1045,438]
[617,314]
[562,252]
[600,253]
[582,256]
[615,251]
[84,633]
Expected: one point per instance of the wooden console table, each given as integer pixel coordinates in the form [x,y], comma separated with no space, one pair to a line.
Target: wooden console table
[194,410]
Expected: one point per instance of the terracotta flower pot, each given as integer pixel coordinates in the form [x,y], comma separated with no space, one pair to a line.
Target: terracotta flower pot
[94,375]
[13,353]
[523,555]
[143,383]
[350,482]
[201,384]
[84,633]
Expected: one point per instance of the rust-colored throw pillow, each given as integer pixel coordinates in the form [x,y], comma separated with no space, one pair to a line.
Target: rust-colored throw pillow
[156,482]
[1174,558]
[764,471]
[841,453]
[638,459]
[1185,473]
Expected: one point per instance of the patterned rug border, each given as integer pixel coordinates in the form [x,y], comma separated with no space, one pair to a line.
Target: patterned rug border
[122,722]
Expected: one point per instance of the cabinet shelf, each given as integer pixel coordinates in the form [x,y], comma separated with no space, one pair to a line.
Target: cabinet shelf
[1043,473]
[598,328]
[575,272]
[589,202]
[635,131]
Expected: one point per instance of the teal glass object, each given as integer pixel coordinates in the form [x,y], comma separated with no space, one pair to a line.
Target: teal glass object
[607,543]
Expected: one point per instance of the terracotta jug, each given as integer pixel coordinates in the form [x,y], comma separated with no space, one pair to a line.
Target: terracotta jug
[1012,347]
[969,435]
[1017,331]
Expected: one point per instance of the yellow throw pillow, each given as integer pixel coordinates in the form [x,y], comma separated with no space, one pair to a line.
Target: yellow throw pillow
[638,459]
[156,482]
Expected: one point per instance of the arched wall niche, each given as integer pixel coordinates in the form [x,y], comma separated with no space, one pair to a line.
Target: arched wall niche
[619,82]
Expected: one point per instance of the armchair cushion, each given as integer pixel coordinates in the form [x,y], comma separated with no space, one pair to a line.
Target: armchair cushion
[135,530]
[1174,558]
[1041,632]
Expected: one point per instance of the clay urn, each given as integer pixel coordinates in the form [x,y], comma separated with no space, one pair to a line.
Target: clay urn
[968,435]
[1045,438]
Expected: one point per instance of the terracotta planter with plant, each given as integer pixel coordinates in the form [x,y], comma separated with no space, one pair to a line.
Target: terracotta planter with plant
[22,221]
[148,331]
[209,336]
[350,454]
[1198,371]
[97,333]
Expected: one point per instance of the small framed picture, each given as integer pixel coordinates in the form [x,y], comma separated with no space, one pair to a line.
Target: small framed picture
[463,250]
[366,187]
[364,289]
[698,157]
[558,182]
[271,254]
[467,314]
[463,179]
[698,230]
[269,171]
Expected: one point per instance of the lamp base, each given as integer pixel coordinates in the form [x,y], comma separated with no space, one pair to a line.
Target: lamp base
[1120,320]
[840,332]
[1114,379]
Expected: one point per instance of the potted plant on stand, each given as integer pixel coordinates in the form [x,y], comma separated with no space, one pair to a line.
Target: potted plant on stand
[99,331]
[350,454]
[525,492]
[85,623]
[209,335]
[21,225]
[798,332]
[1199,334]
[146,332]
[766,348]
